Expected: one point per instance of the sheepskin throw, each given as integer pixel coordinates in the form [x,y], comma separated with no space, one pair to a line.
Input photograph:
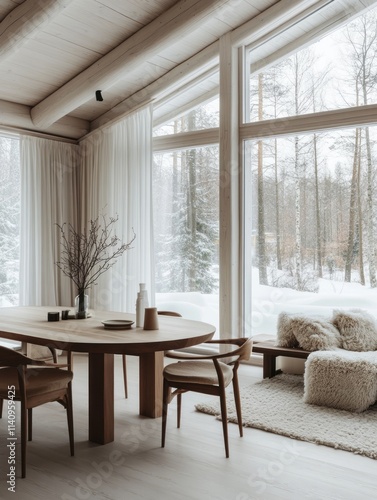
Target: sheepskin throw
[357,328]
[342,379]
[309,333]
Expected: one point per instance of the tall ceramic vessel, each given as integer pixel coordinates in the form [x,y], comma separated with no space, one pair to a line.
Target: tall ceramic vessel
[141,304]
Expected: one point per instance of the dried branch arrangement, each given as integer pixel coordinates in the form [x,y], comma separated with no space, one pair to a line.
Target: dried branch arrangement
[85,256]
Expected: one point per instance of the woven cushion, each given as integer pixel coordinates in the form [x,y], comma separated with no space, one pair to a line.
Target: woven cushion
[357,328]
[38,380]
[309,333]
[342,379]
[197,372]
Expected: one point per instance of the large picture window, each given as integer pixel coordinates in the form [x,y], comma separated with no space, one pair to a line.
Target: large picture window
[337,71]
[186,231]
[313,234]
[310,193]
[203,116]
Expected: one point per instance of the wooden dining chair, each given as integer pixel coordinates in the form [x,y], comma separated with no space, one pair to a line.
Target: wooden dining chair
[206,374]
[37,352]
[35,383]
[124,360]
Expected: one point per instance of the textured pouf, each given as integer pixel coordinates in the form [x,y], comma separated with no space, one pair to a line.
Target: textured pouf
[341,379]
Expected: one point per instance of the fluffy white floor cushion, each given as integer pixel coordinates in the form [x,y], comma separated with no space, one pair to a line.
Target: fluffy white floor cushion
[341,379]
[308,332]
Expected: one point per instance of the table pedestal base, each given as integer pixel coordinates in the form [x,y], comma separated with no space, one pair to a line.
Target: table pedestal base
[101,398]
[101,392]
[151,366]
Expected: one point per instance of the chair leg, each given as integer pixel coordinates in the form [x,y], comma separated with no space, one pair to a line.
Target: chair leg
[165,402]
[30,424]
[125,375]
[70,420]
[224,419]
[1,408]
[179,407]
[237,400]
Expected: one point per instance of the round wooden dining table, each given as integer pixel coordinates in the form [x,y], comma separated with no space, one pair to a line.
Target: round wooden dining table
[29,324]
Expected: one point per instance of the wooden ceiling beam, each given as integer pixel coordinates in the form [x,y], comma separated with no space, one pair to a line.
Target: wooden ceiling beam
[184,17]
[17,116]
[25,22]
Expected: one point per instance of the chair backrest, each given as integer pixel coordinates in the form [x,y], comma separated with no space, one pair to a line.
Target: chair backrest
[169,313]
[245,349]
[242,353]
[41,352]
[10,357]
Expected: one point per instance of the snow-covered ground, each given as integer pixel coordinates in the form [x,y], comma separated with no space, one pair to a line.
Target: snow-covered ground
[192,305]
[268,302]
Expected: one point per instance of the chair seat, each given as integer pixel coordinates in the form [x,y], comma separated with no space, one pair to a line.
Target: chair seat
[38,381]
[197,372]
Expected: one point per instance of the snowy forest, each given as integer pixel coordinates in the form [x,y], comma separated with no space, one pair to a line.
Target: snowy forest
[186,201]
[9,220]
[314,200]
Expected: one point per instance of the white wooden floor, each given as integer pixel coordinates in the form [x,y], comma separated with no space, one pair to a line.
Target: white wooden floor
[192,466]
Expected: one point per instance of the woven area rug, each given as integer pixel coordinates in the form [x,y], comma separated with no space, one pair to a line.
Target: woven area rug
[276,405]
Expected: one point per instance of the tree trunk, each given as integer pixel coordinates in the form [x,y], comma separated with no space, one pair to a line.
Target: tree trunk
[352,212]
[192,210]
[277,208]
[191,218]
[174,276]
[298,264]
[317,209]
[298,275]
[371,238]
[184,287]
[360,218]
[262,261]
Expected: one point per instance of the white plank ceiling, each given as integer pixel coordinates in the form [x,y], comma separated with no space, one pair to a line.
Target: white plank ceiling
[54,54]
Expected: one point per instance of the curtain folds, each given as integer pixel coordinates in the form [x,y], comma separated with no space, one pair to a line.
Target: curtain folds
[109,173]
[116,179]
[48,196]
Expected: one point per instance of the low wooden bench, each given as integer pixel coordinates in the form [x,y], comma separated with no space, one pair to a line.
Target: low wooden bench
[270,352]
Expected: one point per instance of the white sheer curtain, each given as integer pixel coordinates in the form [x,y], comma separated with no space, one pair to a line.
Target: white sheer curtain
[116,179]
[48,196]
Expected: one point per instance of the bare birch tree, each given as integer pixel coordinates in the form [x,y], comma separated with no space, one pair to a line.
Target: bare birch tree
[361,37]
[262,258]
[299,66]
[350,253]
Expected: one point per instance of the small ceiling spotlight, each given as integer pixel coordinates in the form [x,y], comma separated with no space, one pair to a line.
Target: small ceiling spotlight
[99,95]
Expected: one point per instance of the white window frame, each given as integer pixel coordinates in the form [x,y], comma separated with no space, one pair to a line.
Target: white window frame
[235,289]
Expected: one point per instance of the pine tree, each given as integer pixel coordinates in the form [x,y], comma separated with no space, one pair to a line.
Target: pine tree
[186,249]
